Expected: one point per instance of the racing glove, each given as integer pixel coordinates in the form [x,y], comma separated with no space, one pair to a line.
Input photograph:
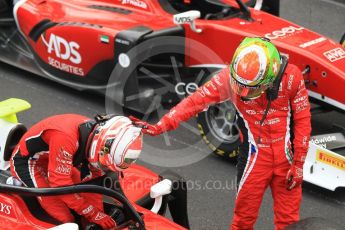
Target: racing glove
[294,177]
[94,215]
[152,130]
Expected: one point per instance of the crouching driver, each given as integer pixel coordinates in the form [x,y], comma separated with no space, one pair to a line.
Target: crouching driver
[68,149]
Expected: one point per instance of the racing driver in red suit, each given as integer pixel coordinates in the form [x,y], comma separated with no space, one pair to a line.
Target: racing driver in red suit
[270,97]
[69,149]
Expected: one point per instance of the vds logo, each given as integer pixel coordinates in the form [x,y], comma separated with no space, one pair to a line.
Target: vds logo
[64,49]
[335,54]
[183,20]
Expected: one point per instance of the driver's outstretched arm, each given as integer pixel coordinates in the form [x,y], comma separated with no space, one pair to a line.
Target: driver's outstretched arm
[212,92]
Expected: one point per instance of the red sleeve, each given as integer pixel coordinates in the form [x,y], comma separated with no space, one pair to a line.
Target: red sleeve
[300,114]
[212,92]
[61,151]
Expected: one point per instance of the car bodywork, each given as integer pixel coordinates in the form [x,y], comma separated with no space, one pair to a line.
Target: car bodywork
[80,43]
[81,40]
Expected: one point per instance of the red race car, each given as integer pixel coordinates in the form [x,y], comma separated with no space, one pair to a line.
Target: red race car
[146,53]
[138,199]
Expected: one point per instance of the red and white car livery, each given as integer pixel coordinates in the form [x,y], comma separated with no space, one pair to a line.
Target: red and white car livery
[82,44]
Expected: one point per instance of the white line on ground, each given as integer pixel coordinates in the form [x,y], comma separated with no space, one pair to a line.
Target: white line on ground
[334,3]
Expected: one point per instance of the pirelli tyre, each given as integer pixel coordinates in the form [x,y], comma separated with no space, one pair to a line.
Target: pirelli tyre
[219,130]
[342,40]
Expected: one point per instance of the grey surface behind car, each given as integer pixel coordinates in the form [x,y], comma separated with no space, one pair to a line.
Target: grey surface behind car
[326,17]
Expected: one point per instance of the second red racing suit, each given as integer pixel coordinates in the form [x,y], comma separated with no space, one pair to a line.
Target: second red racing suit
[52,154]
[264,162]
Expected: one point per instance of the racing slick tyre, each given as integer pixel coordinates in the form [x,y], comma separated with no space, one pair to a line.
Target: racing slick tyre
[219,130]
[342,40]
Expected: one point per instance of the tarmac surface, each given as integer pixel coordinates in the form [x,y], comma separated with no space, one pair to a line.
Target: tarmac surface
[211,180]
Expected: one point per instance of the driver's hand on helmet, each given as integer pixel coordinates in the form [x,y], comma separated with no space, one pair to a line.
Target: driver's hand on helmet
[152,130]
[94,215]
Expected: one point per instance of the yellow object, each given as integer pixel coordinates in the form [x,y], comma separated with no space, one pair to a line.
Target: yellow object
[10,107]
[335,161]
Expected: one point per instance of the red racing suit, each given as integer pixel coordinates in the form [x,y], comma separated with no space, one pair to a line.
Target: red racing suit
[52,154]
[266,152]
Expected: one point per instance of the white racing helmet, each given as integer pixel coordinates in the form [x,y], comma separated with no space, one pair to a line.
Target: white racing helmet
[116,144]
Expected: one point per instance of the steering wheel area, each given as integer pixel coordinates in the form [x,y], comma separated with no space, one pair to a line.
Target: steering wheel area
[225,11]
[209,9]
[124,214]
[116,214]
[219,15]
[217,2]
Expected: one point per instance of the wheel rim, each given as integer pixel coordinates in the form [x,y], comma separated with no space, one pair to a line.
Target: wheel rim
[221,120]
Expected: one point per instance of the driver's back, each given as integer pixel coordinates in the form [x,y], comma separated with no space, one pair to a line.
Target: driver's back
[32,141]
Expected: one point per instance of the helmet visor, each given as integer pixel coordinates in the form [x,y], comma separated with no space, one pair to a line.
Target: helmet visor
[247,92]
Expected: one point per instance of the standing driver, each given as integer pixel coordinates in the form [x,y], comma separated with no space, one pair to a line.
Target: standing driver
[273,107]
[69,149]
